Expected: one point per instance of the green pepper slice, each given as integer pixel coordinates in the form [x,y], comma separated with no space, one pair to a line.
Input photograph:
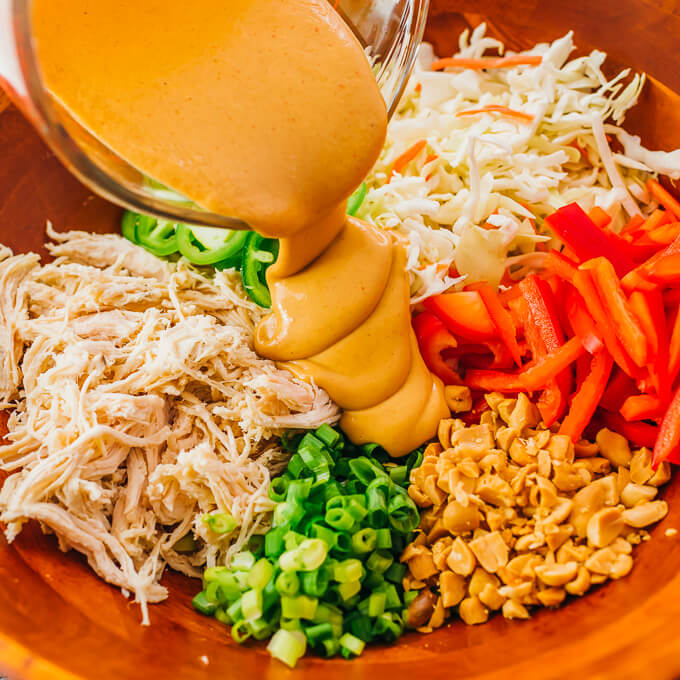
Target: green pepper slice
[209,245]
[157,236]
[356,199]
[259,253]
[128,226]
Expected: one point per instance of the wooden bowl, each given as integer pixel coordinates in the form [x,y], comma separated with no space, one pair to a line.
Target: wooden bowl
[58,621]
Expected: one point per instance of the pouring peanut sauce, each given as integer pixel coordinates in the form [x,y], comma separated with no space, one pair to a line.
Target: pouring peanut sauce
[268,112]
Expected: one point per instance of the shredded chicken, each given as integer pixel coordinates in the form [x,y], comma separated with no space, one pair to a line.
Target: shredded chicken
[137,405]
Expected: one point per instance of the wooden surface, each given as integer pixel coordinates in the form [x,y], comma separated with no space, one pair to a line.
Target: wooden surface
[59,622]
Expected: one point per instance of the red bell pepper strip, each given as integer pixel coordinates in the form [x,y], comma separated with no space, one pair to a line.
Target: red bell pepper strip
[669,202]
[635,223]
[464,314]
[558,263]
[583,368]
[492,354]
[588,396]
[642,407]
[665,270]
[542,310]
[582,323]
[619,388]
[668,441]
[599,217]
[585,239]
[542,319]
[494,381]
[618,310]
[433,338]
[502,320]
[639,433]
[635,279]
[584,284]
[533,378]
[649,309]
[663,235]
[674,351]
[553,400]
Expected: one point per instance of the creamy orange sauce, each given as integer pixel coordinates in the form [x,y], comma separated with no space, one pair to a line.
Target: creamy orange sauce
[267,111]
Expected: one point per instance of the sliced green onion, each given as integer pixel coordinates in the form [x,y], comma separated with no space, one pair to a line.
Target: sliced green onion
[318,632]
[256,544]
[293,540]
[399,475]
[273,542]
[186,544]
[220,522]
[290,624]
[351,645]
[299,489]
[383,539]
[203,605]
[349,589]
[377,507]
[403,513]
[234,611]
[364,541]
[364,470]
[379,561]
[340,519]
[288,583]
[376,604]
[360,625]
[240,631]
[409,596]
[315,583]
[288,512]
[260,574]
[278,489]
[395,572]
[298,607]
[295,465]
[243,561]
[251,604]
[348,570]
[288,646]
[330,646]
[343,543]
[328,536]
[328,436]
[223,617]
[261,629]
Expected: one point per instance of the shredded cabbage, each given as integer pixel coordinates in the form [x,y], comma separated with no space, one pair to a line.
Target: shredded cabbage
[472,202]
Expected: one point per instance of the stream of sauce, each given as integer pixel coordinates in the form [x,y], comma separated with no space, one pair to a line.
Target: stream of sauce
[267,111]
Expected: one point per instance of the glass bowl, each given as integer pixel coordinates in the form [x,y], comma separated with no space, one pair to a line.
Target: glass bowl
[390,30]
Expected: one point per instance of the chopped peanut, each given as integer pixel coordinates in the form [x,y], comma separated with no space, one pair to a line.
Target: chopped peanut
[514,515]
[458,398]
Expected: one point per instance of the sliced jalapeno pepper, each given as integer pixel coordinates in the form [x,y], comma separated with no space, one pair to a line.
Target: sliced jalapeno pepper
[356,199]
[209,245]
[259,253]
[156,236]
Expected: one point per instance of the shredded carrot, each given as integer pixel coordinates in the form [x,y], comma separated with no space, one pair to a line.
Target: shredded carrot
[405,158]
[501,110]
[335,5]
[487,62]
[660,194]
[418,88]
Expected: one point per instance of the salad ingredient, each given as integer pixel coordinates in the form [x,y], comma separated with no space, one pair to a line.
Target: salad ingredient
[328,568]
[210,246]
[547,522]
[623,322]
[473,207]
[259,253]
[138,408]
